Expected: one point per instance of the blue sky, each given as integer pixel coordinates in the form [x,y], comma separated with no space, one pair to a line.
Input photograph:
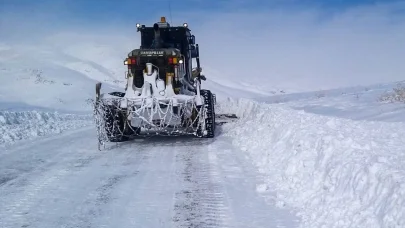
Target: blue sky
[45,14]
[130,11]
[327,43]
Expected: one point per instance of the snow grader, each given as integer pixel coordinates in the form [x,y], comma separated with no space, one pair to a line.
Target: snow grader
[163,95]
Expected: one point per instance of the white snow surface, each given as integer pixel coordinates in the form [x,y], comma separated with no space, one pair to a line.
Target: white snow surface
[355,103]
[44,77]
[334,157]
[16,126]
[64,181]
[334,171]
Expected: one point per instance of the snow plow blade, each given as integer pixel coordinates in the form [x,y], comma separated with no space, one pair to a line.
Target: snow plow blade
[221,119]
[120,119]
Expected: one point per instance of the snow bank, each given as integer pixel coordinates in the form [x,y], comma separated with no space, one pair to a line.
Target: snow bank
[15,126]
[334,172]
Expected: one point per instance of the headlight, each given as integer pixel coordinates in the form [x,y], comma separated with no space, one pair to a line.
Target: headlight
[138,25]
[180,61]
[185,25]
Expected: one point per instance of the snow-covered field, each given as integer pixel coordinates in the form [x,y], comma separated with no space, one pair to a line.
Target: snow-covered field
[356,103]
[333,158]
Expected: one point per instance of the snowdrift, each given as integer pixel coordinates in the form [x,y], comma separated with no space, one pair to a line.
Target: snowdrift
[16,126]
[334,172]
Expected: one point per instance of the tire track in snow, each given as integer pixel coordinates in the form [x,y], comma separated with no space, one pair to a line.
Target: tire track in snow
[202,202]
[149,197]
[99,208]
[18,210]
[155,182]
[74,190]
[144,199]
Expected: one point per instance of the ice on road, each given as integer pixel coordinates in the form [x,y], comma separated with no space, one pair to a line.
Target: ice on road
[64,181]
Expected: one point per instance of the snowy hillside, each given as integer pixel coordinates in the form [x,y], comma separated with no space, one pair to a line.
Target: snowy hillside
[48,78]
[236,86]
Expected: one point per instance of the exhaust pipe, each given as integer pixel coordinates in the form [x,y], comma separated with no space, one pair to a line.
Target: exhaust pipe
[158,40]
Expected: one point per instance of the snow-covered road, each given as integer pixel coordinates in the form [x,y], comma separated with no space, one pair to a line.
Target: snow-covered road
[64,181]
